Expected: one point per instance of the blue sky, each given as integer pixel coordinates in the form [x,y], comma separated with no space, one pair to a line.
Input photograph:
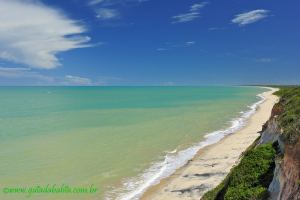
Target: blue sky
[149,42]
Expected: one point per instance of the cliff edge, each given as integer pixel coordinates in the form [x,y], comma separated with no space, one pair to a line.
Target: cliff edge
[270,168]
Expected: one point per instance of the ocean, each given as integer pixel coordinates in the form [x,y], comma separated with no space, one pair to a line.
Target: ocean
[119,140]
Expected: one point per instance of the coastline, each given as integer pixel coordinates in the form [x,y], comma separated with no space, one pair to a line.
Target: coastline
[213,162]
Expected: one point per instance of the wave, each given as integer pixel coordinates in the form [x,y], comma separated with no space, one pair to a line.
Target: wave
[133,188]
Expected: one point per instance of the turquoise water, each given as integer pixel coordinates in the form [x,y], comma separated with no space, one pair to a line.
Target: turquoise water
[104,135]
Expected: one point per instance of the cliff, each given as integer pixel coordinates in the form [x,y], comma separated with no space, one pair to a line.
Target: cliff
[284,126]
[282,180]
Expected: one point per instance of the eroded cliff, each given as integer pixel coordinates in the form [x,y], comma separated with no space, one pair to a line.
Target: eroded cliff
[283,131]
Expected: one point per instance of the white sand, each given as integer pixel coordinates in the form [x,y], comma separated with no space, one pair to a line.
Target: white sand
[212,163]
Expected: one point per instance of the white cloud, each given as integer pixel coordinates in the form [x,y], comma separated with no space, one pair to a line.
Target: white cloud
[107,13]
[33,34]
[108,80]
[250,17]
[190,43]
[264,60]
[26,76]
[216,28]
[109,9]
[113,2]
[170,46]
[194,13]
[161,49]
[76,80]
[21,73]
[197,6]
[185,17]
[95,2]
[169,83]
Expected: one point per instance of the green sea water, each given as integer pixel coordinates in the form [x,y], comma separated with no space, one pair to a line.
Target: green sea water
[101,136]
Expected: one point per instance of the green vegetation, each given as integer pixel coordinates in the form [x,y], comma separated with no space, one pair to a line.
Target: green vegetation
[217,192]
[289,113]
[250,179]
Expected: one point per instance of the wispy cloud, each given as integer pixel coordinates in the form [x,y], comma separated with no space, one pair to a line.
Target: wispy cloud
[170,46]
[113,2]
[27,76]
[264,60]
[190,43]
[77,80]
[196,7]
[95,2]
[187,17]
[168,83]
[33,34]
[216,28]
[21,73]
[250,17]
[110,9]
[192,14]
[107,13]
[108,80]
[161,49]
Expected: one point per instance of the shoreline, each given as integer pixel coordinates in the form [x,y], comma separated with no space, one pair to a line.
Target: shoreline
[213,162]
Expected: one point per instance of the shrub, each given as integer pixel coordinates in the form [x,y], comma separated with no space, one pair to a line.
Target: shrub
[245,193]
[250,179]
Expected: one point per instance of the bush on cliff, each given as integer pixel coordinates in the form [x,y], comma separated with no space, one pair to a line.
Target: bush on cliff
[250,179]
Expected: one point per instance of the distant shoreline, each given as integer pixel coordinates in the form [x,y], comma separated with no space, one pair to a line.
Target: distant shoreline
[212,163]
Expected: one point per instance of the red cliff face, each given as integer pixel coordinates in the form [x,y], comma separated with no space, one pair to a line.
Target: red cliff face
[286,180]
[276,110]
[290,168]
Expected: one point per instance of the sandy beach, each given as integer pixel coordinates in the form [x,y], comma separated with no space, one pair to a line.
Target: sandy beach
[212,163]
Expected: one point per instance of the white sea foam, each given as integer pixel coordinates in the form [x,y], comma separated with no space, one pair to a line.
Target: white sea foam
[133,188]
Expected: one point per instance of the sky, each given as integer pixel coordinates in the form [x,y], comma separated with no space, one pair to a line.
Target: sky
[149,42]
